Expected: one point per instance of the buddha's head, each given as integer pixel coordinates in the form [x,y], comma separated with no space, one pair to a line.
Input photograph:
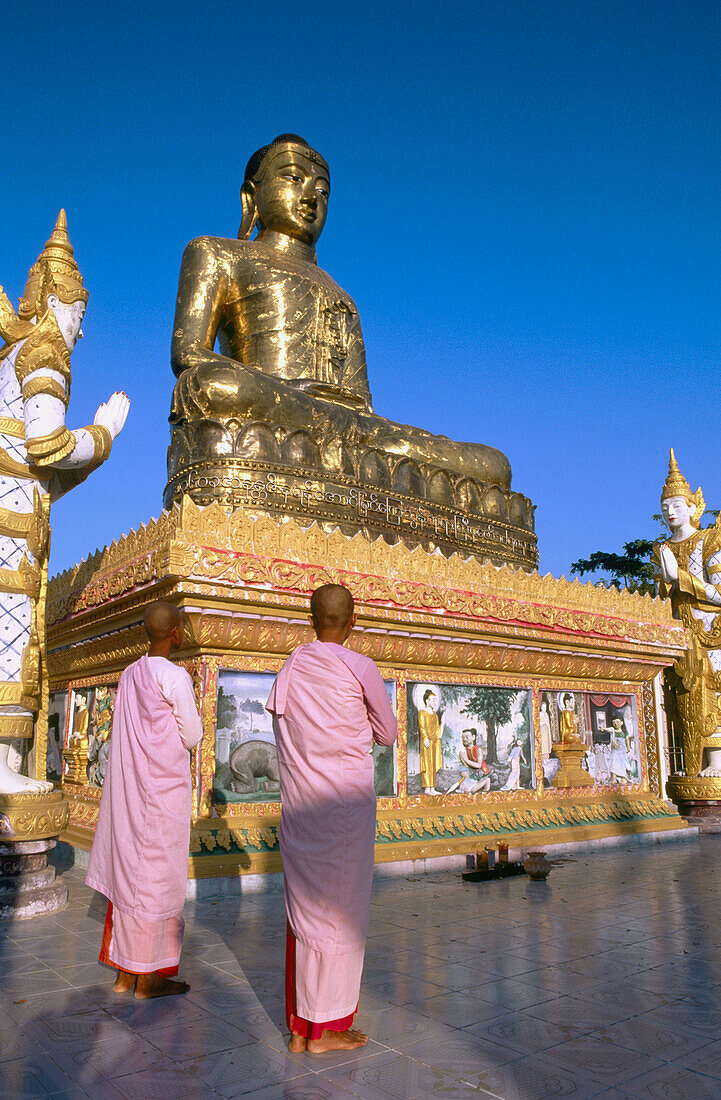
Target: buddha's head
[680,507]
[286,190]
[55,284]
[430,699]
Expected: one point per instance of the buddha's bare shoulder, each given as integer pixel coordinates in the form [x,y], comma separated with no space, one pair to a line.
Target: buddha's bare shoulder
[218,251]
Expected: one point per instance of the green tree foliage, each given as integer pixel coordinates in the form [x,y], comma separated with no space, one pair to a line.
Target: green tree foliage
[631,570]
[492,706]
[251,707]
[227,710]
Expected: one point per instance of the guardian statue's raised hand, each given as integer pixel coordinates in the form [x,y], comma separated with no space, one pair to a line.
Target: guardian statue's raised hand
[40,460]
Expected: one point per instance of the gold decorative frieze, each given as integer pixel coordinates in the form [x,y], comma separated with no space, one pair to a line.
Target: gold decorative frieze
[232,550]
[697,788]
[32,816]
[394,826]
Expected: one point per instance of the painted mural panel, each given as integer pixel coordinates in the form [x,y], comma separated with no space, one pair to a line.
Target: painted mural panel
[87,742]
[606,723]
[385,757]
[468,738]
[75,750]
[99,733]
[246,758]
[57,718]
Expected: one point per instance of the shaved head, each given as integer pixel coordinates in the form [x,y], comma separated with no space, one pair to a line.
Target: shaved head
[160,620]
[331,607]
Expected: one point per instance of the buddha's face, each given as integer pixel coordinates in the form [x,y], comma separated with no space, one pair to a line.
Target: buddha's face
[430,702]
[69,319]
[292,197]
[677,511]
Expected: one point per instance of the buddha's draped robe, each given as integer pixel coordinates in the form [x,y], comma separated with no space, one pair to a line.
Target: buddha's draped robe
[329,706]
[139,859]
[431,755]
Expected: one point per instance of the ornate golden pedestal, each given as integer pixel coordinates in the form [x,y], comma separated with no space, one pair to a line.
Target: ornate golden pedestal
[698,799]
[571,774]
[484,646]
[29,826]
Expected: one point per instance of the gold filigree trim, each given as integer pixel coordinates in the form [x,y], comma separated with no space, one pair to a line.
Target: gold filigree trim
[44,385]
[208,545]
[12,427]
[25,579]
[46,449]
[33,816]
[12,468]
[694,788]
[12,694]
[211,834]
[15,524]
[16,725]
[33,526]
[102,443]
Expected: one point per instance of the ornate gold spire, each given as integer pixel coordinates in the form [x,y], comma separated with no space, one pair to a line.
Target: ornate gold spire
[676,485]
[55,272]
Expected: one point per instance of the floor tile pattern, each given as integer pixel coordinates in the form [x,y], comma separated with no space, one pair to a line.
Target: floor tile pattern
[603,982]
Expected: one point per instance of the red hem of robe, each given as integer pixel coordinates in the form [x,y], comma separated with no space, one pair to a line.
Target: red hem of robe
[307,1029]
[104,957]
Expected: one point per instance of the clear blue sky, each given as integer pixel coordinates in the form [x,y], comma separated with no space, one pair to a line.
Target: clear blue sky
[525,206]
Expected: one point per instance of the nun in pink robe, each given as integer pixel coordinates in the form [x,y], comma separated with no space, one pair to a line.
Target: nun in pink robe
[329,705]
[139,859]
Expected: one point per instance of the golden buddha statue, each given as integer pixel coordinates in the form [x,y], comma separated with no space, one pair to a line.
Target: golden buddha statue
[280,416]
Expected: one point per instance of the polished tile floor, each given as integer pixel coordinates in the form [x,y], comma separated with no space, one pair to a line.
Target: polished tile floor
[604,981]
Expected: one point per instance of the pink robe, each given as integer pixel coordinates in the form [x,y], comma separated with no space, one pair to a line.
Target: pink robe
[329,705]
[139,859]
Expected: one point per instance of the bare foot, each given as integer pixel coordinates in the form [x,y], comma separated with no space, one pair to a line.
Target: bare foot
[155,985]
[124,982]
[336,1040]
[297,1044]
[12,783]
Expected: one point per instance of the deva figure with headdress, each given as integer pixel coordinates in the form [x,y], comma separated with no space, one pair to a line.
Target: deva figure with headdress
[40,460]
[688,571]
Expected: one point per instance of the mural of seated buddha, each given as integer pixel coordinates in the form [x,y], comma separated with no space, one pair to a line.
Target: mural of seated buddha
[280,415]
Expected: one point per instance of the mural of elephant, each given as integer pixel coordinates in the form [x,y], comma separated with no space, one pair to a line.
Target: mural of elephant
[254,765]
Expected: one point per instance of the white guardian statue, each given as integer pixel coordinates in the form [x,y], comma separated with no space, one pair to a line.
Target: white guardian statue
[40,460]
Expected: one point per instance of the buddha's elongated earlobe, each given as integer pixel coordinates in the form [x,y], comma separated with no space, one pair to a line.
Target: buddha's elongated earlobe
[250,214]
